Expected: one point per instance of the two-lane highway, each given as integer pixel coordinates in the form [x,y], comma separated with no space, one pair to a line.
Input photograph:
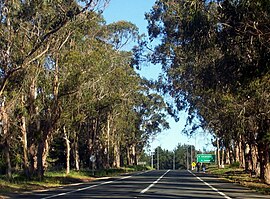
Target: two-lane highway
[152,184]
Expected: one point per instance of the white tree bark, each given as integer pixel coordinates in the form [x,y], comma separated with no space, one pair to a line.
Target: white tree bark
[67,151]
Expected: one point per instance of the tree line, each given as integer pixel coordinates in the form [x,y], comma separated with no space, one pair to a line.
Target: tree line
[68,90]
[215,57]
[180,158]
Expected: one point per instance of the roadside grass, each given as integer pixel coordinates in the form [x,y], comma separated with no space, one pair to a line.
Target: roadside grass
[54,179]
[238,175]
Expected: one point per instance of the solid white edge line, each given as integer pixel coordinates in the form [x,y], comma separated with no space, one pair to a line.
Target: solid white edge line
[89,187]
[151,185]
[213,188]
[69,192]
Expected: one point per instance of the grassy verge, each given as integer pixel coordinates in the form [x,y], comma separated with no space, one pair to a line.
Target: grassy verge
[237,175]
[57,178]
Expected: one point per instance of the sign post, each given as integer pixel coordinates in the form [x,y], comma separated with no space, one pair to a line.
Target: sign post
[93,159]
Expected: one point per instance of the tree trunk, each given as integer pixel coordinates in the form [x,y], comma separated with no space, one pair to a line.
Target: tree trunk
[40,167]
[236,152]
[228,156]
[45,153]
[108,143]
[128,156]
[267,173]
[116,155]
[265,163]
[248,158]
[241,153]
[67,151]
[33,113]
[49,125]
[231,154]
[33,159]
[92,138]
[8,162]
[133,155]
[76,153]
[254,159]
[218,153]
[42,154]
[89,143]
[5,129]
[24,146]
[222,157]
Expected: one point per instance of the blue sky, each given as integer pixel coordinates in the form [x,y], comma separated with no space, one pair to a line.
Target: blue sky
[133,11]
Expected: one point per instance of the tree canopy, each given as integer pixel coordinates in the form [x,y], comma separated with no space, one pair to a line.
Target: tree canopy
[68,91]
[215,58]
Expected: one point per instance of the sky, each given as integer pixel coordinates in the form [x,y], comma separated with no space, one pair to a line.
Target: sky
[133,11]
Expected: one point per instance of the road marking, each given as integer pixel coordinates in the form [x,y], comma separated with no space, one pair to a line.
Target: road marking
[143,172]
[213,188]
[151,185]
[69,192]
[84,188]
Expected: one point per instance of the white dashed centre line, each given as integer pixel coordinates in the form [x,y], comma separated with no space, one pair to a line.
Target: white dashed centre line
[151,185]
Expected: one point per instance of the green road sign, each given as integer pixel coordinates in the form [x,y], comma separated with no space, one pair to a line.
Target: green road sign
[205,158]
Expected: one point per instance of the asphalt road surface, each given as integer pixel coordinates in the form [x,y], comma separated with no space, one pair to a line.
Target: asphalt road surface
[151,185]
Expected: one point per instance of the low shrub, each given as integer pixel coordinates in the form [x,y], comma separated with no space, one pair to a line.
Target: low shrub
[235,165]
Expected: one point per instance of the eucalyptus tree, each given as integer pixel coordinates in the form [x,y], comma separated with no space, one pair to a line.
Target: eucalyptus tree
[116,94]
[172,159]
[215,55]
[64,74]
[100,82]
[28,30]
[246,41]
[144,120]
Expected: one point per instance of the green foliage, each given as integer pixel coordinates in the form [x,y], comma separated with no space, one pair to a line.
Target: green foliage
[215,56]
[235,165]
[166,158]
[65,78]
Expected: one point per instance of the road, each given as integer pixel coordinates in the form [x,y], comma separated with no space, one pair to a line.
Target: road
[152,185]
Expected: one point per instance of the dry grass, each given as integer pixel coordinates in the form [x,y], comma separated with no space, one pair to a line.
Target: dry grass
[54,179]
[242,177]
